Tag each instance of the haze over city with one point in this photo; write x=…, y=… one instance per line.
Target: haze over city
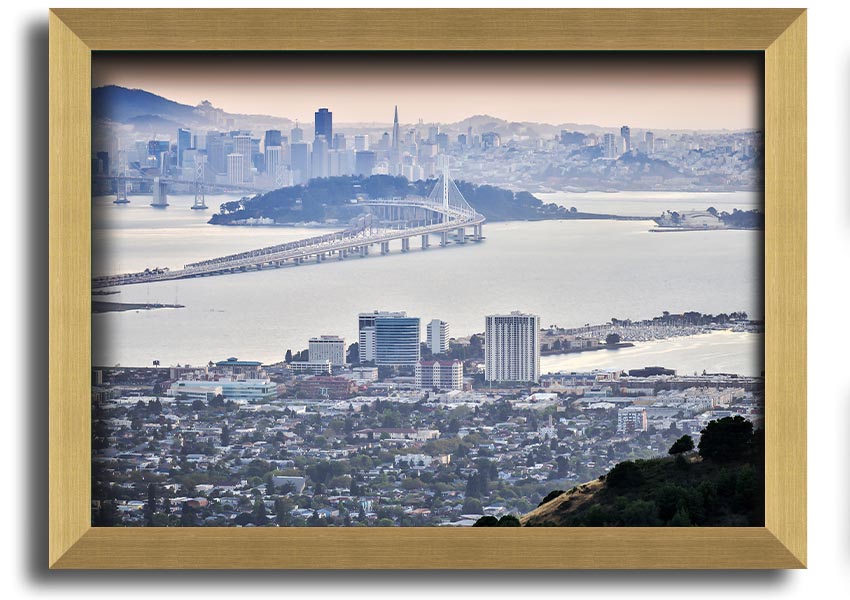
x=670, y=91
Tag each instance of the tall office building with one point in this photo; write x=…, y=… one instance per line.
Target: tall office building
x=388, y=338
x=217, y=151
x=397, y=340
x=327, y=347
x=272, y=138
x=236, y=168
x=512, y=347
x=300, y=153
x=296, y=134
x=650, y=142
x=184, y=142
x=609, y=145
x=319, y=158
x=396, y=139
x=395, y=147
x=437, y=336
x=626, y=134
x=361, y=142
x=339, y=142
x=364, y=162
x=324, y=124
x=242, y=144
x=273, y=162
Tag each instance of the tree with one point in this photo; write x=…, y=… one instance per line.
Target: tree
x=682, y=445
x=681, y=518
x=150, y=507
x=727, y=439
x=550, y=496
x=259, y=513
x=352, y=355
x=472, y=506
x=625, y=475
x=509, y=521
x=486, y=521
x=108, y=514
x=612, y=339
x=188, y=516
x=225, y=435
x=288, y=358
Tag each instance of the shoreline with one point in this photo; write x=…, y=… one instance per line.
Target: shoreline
x=99, y=306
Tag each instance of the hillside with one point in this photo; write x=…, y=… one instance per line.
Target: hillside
x=124, y=105
x=719, y=487
x=330, y=198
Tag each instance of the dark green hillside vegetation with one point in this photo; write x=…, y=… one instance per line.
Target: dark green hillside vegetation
x=331, y=198
x=721, y=485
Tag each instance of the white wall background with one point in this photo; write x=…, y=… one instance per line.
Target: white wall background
x=24, y=247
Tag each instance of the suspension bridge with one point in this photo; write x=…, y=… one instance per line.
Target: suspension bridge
x=444, y=215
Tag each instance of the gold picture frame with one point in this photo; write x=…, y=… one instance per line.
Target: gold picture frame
x=75, y=544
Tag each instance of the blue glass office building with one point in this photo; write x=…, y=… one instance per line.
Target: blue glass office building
x=396, y=340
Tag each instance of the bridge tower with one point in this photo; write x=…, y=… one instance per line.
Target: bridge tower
x=200, y=201
x=121, y=182
x=160, y=193
x=446, y=179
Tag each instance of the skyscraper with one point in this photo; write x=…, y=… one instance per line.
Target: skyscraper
x=650, y=142
x=388, y=338
x=395, y=147
x=609, y=145
x=339, y=142
x=272, y=138
x=512, y=347
x=626, y=134
x=300, y=153
x=396, y=139
x=437, y=336
x=217, y=151
x=319, y=158
x=324, y=124
x=397, y=340
x=297, y=134
x=361, y=142
x=364, y=162
x=273, y=162
x=235, y=168
x=184, y=142
x=244, y=146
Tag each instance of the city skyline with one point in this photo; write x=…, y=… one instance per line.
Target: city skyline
x=693, y=92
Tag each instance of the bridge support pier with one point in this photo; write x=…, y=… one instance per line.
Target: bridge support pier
x=425, y=242
x=385, y=247
x=444, y=238
x=461, y=235
x=479, y=233
x=405, y=244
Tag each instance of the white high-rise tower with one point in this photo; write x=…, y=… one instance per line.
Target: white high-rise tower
x=512, y=347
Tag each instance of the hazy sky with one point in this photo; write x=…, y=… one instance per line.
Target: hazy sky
x=643, y=90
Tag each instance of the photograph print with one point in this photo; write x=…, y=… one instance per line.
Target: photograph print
x=430, y=289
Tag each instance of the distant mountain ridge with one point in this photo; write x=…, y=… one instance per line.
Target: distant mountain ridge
x=150, y=112
x=124, y=105
x=146, y=110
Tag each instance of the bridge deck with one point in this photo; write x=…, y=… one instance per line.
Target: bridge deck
x=289, y=252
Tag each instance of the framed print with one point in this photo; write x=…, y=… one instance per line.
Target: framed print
x=330, y=293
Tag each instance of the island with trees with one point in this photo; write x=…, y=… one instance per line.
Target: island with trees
x=333, y=200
